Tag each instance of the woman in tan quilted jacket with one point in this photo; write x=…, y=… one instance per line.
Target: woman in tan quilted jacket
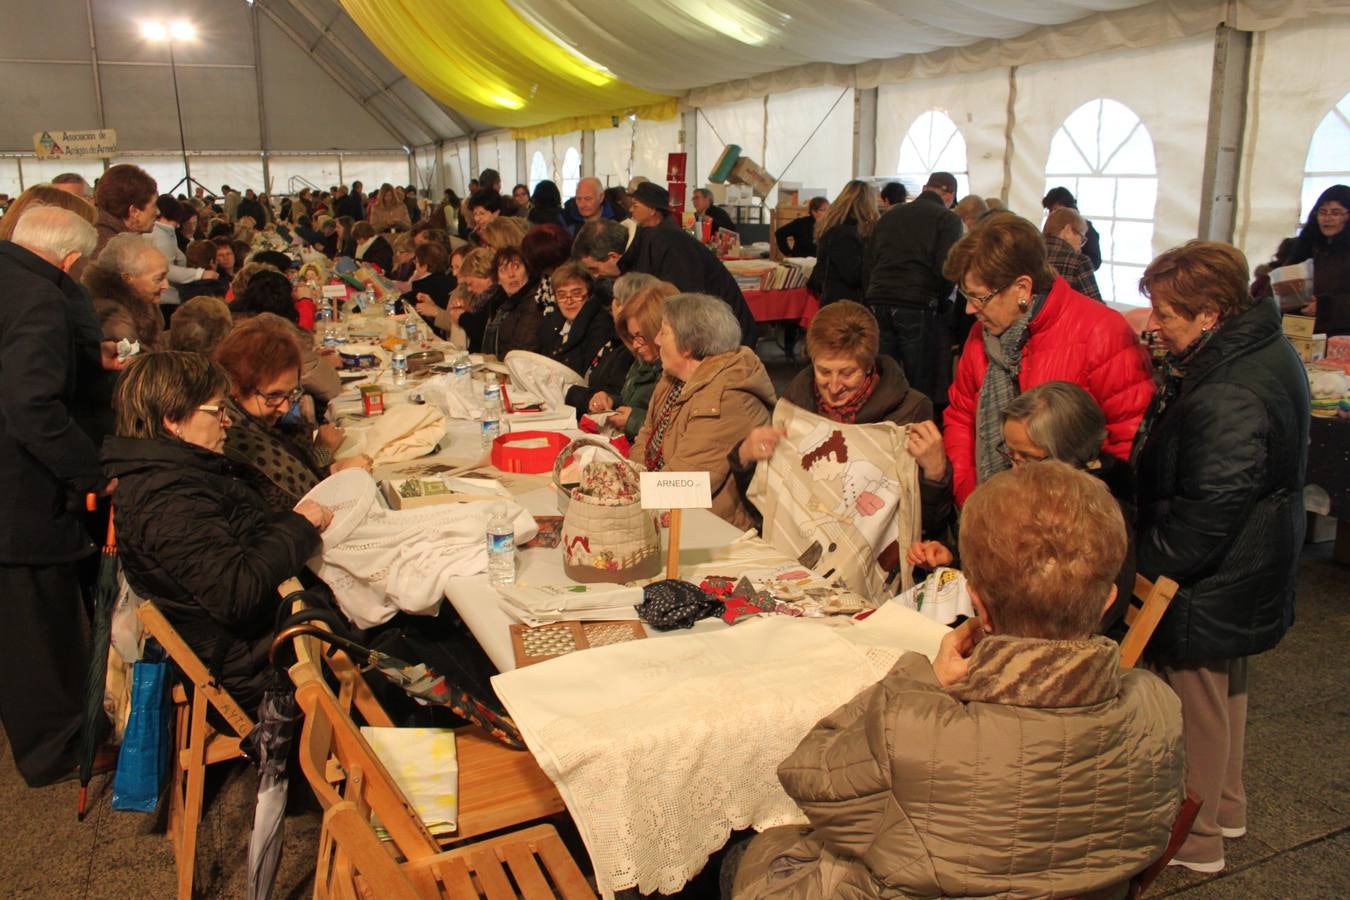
x=1023, y=761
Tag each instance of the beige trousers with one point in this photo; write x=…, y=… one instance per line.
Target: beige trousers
x=1214, y=725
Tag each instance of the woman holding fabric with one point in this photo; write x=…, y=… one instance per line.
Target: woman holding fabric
x=841, y=234
x=579, y=327
x=1220, y=457
x=465, y=313
x=1325, y=240
x=711, y=388
x=192, y=535
x=964, y=776
x=849, y=382
x=262, y=358
x=372, y=248
x=1031, y=328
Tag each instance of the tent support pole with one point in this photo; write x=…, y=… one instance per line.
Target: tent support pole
x=1223, y=138
x=264, y=143
x=1009, y=130
x=522, y=165
x=864, y=132
x=689, y=144
x=98, y=78
x=588, y=154
x=473, y=161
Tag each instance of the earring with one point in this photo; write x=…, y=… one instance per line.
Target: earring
x=1023, y=305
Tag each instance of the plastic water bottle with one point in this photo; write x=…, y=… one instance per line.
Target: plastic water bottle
x=324, y=326
x=410, y=329
x=492, y=414
x=501, y=547
x=390, y=305
x=398, y=367
x=461, y=369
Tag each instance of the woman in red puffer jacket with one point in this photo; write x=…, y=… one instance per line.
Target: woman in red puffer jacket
x=1032, y=328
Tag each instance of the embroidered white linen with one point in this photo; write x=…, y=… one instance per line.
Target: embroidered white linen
x=379, y=561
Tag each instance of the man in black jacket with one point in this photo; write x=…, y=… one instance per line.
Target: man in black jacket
x=47, y=465
x=904, y=286
x=704, y=206
x=353, y=204
x=665, y=251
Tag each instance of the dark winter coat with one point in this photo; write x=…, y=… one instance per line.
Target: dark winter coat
x=838, y=274
x=572, y=219
x=1331, y=280
x=591, y=330
x=672, y=255
x=802, y=232
x=607, y=371
x=1220, y=477
x=379, y=252
x=507, y=322
x=721, y=219
x=48, y=337
x=906, y=250
x=195, y=538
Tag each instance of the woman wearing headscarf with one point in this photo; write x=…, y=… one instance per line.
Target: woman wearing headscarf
x=1220, y=457
x=1031, y=328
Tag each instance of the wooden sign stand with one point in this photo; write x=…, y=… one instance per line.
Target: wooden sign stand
x=673, y=551
x=675, y=491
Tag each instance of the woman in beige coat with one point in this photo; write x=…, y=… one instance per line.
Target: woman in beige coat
x=711, y=393
x=1023, y=762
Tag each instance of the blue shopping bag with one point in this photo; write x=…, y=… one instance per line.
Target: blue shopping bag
x=143, y=762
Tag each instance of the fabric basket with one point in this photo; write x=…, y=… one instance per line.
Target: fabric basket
x=606, y=534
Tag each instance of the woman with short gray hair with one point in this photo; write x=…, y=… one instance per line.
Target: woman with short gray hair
x=712, y=390
x=1059, y=420
x=131, y=272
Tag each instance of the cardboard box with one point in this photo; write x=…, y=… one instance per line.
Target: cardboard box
x=1310, y=349
x=1299, y=326
x=411, y=493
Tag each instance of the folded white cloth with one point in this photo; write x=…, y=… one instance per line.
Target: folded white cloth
x=405, y=431
x=542, y=376
x=544, y=603
x=379, y=561
x=456, y=397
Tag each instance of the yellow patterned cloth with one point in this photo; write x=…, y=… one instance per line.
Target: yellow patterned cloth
x=423, y=764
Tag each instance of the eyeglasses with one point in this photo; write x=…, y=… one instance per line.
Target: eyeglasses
x=273, y=399
x=578, y=294
x=216, y=409
x=637, y=339
x=1327, y=212
x=982, y=302
x=1017, y=457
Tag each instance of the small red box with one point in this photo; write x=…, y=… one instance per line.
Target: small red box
x=527, y=460
x=676, y=189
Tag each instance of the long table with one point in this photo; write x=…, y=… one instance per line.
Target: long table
x=662, y=748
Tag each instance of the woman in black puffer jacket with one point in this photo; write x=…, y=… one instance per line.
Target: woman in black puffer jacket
x=1220, y=459
x=193, y=536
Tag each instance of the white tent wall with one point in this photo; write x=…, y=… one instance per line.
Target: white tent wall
x=811, y=139
x=977, y=104
x=740, y=123
x=652, y=142
x=375, y=169
x=1298, y=74
x=497, y=150
x=1166, y=86
x=291, y=174
x=614, y=153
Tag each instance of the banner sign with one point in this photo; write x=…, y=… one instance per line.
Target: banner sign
x=75, y=144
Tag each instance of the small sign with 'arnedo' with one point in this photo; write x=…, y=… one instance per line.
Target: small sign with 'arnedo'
x=676, y=490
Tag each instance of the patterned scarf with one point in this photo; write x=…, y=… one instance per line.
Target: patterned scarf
x=847, y=412
x=1171, y=372
x=1000, y=388
x=291, y=468
x=653, y=456
x=1041, y=674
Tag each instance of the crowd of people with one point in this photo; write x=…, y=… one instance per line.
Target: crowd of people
x=1056, y=458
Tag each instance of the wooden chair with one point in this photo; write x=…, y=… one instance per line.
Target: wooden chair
x=1145, y=611
x=353, y=863
x=498, y=787
x=197, y=743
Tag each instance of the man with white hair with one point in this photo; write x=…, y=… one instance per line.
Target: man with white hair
x=590, y=205
x=47, y=466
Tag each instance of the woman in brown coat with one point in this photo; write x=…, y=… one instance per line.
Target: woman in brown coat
x=711, y=391
x=1023, y=761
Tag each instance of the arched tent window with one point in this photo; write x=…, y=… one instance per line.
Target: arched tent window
x=571, y=171
x=538, y=170
x=1104, y=155
x=933, y=144
x=1328, y=160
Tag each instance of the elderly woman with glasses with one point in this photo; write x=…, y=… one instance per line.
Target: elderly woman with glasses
x=1057, y=420
x=1031, y=327
x=710, y=390
x=579, y=326
x=193, y=536
x=262, y=358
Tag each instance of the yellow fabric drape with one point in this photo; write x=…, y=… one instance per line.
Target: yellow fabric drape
x=483, y=59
